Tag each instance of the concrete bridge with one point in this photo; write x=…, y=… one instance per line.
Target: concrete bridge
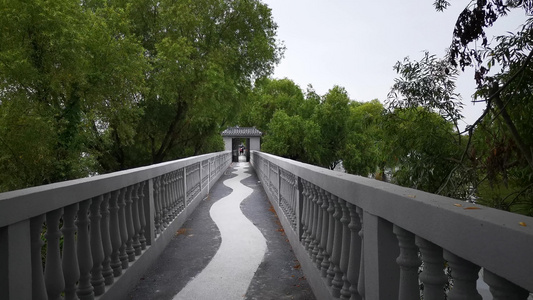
x=354, y=237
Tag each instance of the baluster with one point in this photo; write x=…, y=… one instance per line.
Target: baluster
x=345, y=250
x=354, y=261
x=164, y=201
x=305, y=202
x=142, y=237
x=361, y=282
x=107, y=271
x=177, y=193
x=114, y=229
x=37, y=274
x=122, y=222
x=409, y=262
x=129, y=224
x=136, y=244
x=157, y=205
x=53, y=272
x=85, y=259
x=175, y=203
x=331, y=238
x=319, y=202
x=97, y=250
x=337, y=281
x=294, y=192
x=432, y=275
x=464, y=274
x=312, y=222
x=71, y=269
x=324, y=265
x=170, y=197
x=502, y=289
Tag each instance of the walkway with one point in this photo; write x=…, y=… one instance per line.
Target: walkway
x=232, y=247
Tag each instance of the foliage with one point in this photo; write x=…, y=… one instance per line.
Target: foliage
x=292, y=137
x=363, y=151
x=331, y=116
x=497, y=157
x=97, y=86
x=421, y=150
x=428, y=83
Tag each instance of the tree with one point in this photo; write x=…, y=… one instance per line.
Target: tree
x=331, y=116
x=497, y=155
x=362, y=154
x=269, y=96
x=204, y=56
x=62, y=66
x=98, y=86
x=292, y=137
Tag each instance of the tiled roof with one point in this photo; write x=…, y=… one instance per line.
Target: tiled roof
x=242, y=131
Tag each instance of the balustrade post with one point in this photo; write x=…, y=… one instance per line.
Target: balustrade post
x=37, y=274
x=354, y=260
x=465, y=275
x=107, y=271
x=85, y=260
x=380, y=250
x=97, y=250
x=432, y=275
x=53, y=271
x=409, y=262
x=18, y=242
x=502, y=289
x=71, y=269
x=114, y=230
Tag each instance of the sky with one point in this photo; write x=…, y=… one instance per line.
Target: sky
x=355, y=44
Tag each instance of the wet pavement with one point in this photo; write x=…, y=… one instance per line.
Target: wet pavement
x=250, y=259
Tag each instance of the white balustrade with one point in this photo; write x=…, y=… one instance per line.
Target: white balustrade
x=86, y=235
x=405, y=231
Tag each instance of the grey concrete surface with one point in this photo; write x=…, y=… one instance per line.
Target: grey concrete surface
x=196, y=243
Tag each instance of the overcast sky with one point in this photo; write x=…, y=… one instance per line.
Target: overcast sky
x=355, y=44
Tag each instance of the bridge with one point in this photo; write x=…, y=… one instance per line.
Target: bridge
x=354, y=237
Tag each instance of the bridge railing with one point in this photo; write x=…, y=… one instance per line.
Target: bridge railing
x=94, y=237
x=359, y=238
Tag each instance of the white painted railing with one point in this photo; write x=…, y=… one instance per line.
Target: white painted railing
x=359, y=238
x=101, y=233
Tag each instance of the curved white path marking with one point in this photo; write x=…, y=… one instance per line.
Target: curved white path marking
x=243, y=246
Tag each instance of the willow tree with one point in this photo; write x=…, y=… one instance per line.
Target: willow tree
x=498, y=154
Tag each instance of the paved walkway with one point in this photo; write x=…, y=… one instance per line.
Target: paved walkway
x=232, y=247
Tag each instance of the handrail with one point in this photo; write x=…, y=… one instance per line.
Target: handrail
x=359, y=237
x=102, y=232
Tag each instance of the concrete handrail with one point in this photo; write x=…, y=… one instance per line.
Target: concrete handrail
x=323, y=210
x=102, y=232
